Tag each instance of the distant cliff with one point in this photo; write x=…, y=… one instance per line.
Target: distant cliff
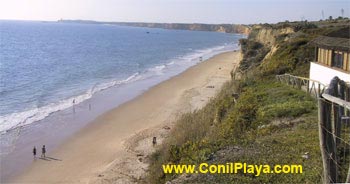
x=225, y=28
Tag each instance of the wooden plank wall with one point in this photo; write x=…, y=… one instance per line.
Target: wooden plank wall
x=324, y=56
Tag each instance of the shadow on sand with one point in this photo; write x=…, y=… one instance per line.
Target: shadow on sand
x=49, y=159
x=56, y=159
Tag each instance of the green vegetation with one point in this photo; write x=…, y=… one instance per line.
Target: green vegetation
x=292, y=56
x=222, y=124
x=267, y=123
x=253, y=53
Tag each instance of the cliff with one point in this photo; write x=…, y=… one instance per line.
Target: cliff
x=284, y=47
x=254, y=118
x=268, y=35
x=262, y=42
x=225, y=28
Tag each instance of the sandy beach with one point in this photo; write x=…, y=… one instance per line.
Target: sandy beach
x=114, y=148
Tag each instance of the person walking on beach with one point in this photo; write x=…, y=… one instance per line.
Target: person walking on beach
x=73, y=105
x=34, y=152
x=43, y=151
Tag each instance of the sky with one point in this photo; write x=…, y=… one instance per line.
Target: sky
x=174, y=11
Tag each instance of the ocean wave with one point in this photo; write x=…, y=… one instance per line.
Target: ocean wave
x=18, y=119
x=170, y=63
x=206, y=53
x=156, y=70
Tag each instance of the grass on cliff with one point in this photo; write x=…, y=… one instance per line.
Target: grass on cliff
x=269, y=123
x=259, y=124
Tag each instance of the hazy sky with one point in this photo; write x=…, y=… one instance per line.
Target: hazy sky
x=186, y=11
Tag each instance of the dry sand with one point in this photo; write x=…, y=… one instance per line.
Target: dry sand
x=114, y=148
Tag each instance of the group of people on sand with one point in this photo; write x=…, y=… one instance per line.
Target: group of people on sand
x=43, y=152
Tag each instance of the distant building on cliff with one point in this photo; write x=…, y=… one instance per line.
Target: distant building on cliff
x=332, y=58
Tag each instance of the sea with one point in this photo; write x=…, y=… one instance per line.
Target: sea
x=55, y=73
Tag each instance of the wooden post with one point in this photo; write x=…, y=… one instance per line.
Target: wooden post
x=322, y=137
x=346, y=97
x=347, y=113
x=326, y=143
x=314, y=87
x=333, y=121
x=336, y=134
x=299, y=83
x=294, y=82
x=340, y=110
x=319, y=89
x=348, y=177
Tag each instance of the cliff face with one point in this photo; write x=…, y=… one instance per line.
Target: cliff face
x=225, y=28
x=261, y=44
x=268, y=36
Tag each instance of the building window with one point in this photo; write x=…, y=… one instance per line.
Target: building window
x=337, y=60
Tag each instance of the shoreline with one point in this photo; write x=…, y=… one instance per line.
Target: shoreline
x=121, y=137
x=59, y=126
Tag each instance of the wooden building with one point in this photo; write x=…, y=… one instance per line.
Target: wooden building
x=332, y=59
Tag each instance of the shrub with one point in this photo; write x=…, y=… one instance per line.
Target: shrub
x=290, y=109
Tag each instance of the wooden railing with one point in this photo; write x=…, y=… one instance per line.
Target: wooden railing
x=333, y=121
x=312, y=87
x=334, y=131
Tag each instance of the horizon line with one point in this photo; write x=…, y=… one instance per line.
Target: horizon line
x=101, y=21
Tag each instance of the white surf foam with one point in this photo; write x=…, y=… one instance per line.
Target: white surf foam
x=18, y=119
